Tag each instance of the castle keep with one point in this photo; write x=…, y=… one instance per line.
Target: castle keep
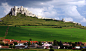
x=21, y=10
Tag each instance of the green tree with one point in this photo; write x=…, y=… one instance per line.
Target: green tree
x=51, y=49
x=15, y=43
x=30, y=39
x=55, y=43
x=40, y=43
x=6, y=44
x=29, y=43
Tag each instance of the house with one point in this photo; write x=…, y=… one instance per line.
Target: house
x=46, y=45
x=40, y=47
x=4, y=47
x=66, y=44
x=19, y=46
x=21, y=42
x=56, y=47
x=32, y=46
x=32, y=42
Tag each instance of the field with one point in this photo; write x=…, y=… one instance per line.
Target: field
x=41, y=33
x=3, y=30
x=36, y=50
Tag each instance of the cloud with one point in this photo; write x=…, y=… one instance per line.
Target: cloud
x=6, y=7
x=68, y=19
x=84, y=20
x=57, y=9
x=71, y=11
x=80, y=3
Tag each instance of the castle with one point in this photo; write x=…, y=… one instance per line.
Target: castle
x=22, y=10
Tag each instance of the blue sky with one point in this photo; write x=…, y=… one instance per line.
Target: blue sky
x=70, y=10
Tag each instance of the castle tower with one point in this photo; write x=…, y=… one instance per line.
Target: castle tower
x=15, y=10
x=63, y=20
x=21, y=8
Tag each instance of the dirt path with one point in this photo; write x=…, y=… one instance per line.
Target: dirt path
x=6, y=32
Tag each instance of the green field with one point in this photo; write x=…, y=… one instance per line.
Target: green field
x=44, y=34
x=3, y=30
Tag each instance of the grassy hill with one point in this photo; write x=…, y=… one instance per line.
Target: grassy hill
x=25, y=27
x=21, y=19
x=37, y=33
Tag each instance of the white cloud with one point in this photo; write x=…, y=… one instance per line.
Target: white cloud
x=84, y=20
x=37, y=11
x=6, y=7
x=71, y=11
x=79, y=3
x=68, y=19
x=48, y=12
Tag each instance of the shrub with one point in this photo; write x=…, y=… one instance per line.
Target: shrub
x=10, y=46
x=2, y=44
x=83, y=50
x=6, y=44
x=51, y=49
x=15, y=43
x=40, y=43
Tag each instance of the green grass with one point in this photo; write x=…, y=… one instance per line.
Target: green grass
x=2, y=30
x=46, y=34
x=36, y=50
x=21, y=19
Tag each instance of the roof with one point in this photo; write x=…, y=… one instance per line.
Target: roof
x=4, y=47
x=22, y=41
x=10, y=43
x=33, y=42
x=6, y=40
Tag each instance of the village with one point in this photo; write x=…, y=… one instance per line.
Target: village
x=24, y=44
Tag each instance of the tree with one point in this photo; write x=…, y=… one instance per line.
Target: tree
x=51, y=49
x=29, y=43
x=15, y=25
x=30, y=39
x=2, y=44
x=10, y=46
x=15, y=43
x=6, y=44
x=55, y=43
x=40, y=43
x=25, y=43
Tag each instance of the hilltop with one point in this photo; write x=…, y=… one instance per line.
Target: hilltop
x=22, y=20
x=23, y=17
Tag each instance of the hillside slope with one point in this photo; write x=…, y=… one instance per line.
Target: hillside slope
x=46, y=34
x=21, y=19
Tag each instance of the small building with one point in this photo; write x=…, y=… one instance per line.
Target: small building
x=4, y=47
x=46, y=45
x=19, y=46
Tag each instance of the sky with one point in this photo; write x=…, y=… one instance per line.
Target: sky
x=70, y=10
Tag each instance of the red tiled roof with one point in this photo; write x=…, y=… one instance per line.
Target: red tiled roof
x=4, y=46
x=10, y=43
x=6, y=40
x=33, y=42
x=22, y=41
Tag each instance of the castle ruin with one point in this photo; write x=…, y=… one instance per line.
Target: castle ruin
x=21, y=10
